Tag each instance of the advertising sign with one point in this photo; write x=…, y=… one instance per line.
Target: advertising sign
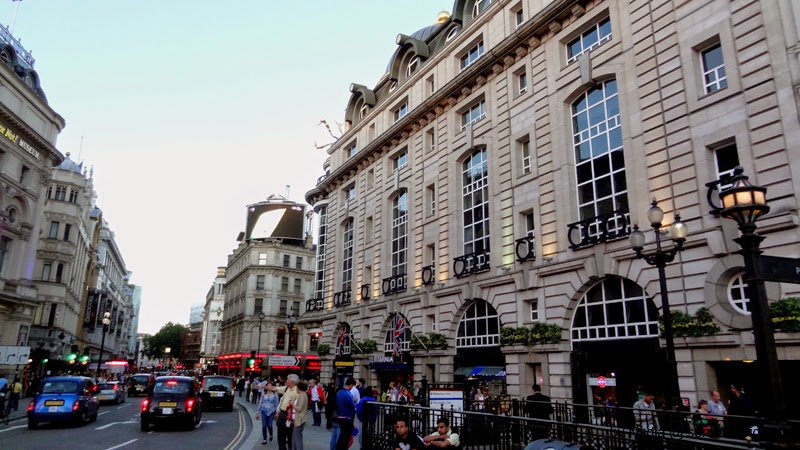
x=92, y=302
x=275, y=219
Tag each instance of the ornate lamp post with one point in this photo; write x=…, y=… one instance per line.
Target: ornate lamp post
x=745, y=203
x=106, y=323
x=290, y=320
x=660, y=258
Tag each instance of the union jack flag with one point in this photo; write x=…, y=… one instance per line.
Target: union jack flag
x=400, y=328
x=340, y=341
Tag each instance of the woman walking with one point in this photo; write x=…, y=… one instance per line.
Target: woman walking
x=266, y=411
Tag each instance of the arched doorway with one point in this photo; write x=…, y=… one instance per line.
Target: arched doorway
x=614, y=335
x=479, y=359
x=343, y=364
x=396, y=365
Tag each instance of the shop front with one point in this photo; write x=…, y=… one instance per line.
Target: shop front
x=343, y=368
x=397, y=369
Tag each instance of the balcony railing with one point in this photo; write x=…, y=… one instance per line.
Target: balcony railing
x=428, y=275
x=5, y=34
x=315, y=304
x=342, y=299
x=470, y=263
x=602, y=228
x=394, y=284
x=321, y=179
x=366, y=290
x=525, y=249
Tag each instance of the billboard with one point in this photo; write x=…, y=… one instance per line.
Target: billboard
x=275, y=219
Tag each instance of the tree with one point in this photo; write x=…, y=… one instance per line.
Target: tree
x=168, y=336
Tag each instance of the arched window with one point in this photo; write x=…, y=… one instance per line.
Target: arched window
x=280, y=342
x=343, y=339
x=398, y=336
x=476, y=202
x=400, y=234
x=322, y=242
x=737, y=295
x=480, y=326
x=479, y=7
x=599, y=162
x=615, y=308
x=451, y=34
x=347, y=256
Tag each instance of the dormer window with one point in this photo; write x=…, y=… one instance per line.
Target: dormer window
x=480, y=6
x=363, y=111
x=412, y=67
x=472, y=55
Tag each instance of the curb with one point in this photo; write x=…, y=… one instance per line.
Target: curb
x=255, y=433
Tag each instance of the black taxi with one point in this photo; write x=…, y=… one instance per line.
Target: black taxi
x=173, y=400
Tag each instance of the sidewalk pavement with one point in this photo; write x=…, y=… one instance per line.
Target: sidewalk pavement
x=314, y=438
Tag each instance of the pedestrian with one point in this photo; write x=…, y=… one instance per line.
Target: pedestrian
x=288, y=396
x=741, y=412
x=299, y=415
x=247, y=388
x=360, y=387
x=346, y=412
x=317, y=402
x=405, y=439
x=539, y=406
x=330, y=403
x=443, y=437
x=356, y=394
x=267, y=406
x=717, y=409
x=704, y=423
x=644, y=412
x=360, y=412
x=3, y=383
x=14, y=392
x=240, y=386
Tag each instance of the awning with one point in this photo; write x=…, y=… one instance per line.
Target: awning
x=489, y=371
x=463, y=371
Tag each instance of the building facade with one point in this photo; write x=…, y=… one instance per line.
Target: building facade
x=212, y=320
x=267, y=280
x=491, y=178
x=133, y=327
x=29, y=128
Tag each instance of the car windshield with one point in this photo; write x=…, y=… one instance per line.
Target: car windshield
x=60, y=387
x=171, y=387
x=217, y=384
x=106, y=386
x=140, y=379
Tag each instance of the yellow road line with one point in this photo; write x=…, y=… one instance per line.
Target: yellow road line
x=239, y=434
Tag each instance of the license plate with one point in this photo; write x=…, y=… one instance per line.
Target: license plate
x=53, y=402
x=52, y=409
x=138, y=389
x=168, y=404
x=217, y=394
x=166, y=410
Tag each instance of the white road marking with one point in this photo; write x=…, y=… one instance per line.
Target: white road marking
x=150, y=432
x=123, y=406
x=12, y=428
x=208, y=421
x=123, y=444
x=104, y=412
x=114, y=423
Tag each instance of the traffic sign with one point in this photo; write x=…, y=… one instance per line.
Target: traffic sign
x=275, y=360
x=775, y=268
x=601, y=381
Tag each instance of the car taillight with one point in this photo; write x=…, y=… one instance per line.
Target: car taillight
x=189, y=405
x=76, y=405
x=116, y=387
x=145, y=404
x=30, y=406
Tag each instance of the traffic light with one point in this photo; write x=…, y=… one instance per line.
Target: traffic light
x=252, y=361
x=85, y=359
x=71, y=358
x=44, y=361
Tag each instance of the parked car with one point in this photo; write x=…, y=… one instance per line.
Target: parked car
x=173, y=400
x=140, y=383
x=111, y=391
x=63, y=399
x=217, y=392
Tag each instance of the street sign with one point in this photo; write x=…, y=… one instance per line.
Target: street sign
x=275, y=360
x=601, y=382
x=775, y=268
x=11, y=354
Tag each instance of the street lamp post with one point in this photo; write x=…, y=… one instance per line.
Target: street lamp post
x=290, y=320
x=258, y=348
x=106, y=323
x=745, y=203
x=660, y=258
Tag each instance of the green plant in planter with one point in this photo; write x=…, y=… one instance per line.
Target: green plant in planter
x=419, y=342
x=683, y=324
x=364, y=347
x=544, y=333
x=704, y=323
x=437, y=340
x=785, y=314
x=507, y=335
x=323, y=349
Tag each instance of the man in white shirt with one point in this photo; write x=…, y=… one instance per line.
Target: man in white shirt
x=356, y=395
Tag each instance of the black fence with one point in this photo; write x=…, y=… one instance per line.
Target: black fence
x=507, y=425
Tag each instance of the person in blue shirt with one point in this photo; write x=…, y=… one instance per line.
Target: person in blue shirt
x=346, y=412
x=367, y=397
x=267, y=406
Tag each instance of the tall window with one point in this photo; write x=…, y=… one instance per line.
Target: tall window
x=286, y=260
x=61, y=192
x=522, y=82
x=430, y=200
x=280, y=342
x=599, y=163
x=476, y=202
x=530, y=227
x=402, y=337
x=472, y=55
x=322, y=241
x=519, y=17
x=73, y=195
x=298, y=263
x=347, y=256
x=282, y=308
x=401, y=111
x=475, y=113
x=591, y=38
x=400, y=161
x=430, y=140
x=67, y=230
x=615, y=308
x=258, y=306
x=4, y=244
x=59, y=272
x=262, y=259
x=714, y=77
x=350, y=193
x=400, y=234
x=480, y=6
x=284, y=284
x=23, y=175
x=480, y=326
x=54, y=230
x=726, y=158
x=351, y=151
x=737, y=295
x=298, y=285
x=260, y=282
x=412, y=66
x=46, y=269
x=525, y=151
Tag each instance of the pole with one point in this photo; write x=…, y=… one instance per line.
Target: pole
x=258, y=347
x=673, y=388
x=102, y=343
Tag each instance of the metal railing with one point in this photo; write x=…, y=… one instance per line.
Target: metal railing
x=603, y=228
x=315, y=304
x=394, y=284
x=342, y=298
x=470, y=263
x=23, y=54
x=488, y=431
x=525, y=249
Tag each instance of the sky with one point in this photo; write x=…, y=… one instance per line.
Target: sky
x=191, y=109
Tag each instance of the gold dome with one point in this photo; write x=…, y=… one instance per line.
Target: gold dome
x=442, y=17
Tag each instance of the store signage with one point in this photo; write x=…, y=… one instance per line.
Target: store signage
x=275, y=360
x=10, y=354
x=14, y=137
x=381, y=359
x=344, y=363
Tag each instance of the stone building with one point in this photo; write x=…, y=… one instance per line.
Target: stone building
x=212, y=320
x=267, y=279
x=29, y=128
x=492, y=176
